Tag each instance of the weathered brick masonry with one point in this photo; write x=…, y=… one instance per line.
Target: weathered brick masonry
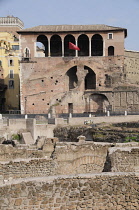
x=95, y=79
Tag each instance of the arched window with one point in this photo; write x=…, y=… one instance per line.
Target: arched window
x=97, y=45
x=73, y=80
x=110, y=51
x=11, y=62
x=0, y=63
x=83, y=44
x=56, y=45
x=42, y=46
x=67, y=51
x=90, y=79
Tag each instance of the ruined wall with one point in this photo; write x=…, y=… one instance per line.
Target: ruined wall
x=124, y=159
x=74, y=158
x=27, y=168
x=8, y=152
x=94, y=192
x=132, y=67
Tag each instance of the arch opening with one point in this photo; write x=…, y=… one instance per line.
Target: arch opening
x=73, y=79
x=90, y=79
x=67, y=51
x=97, y=45
x=56, y=46
x=83, y=44
x=98, y=103
x=42, y=46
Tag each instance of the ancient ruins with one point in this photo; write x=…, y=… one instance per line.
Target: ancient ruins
x=79, y=173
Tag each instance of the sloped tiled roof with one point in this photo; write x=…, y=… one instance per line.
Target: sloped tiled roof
x=71, y=28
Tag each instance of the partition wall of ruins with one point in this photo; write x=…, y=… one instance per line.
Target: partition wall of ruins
x=101, y=76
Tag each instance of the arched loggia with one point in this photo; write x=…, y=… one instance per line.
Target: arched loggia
x=56, y=46
x=67, y=51
x=42, y=45
x=83, y=44
x=97, y=45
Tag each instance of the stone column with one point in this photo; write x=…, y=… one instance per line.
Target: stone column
x=49, y=48
x=62, y=47
x=90, y=47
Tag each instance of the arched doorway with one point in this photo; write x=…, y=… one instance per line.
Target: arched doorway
x=83, y=44
x=110, y=51
x=97, y=45
x=42, y=46
x=67, y=51
x=73, y=80
x=56, y=46
x=90, y=79
x=98, y=103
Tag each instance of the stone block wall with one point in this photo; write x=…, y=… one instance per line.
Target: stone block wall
x=124, y=159
x=26, y=168
x=94, y=192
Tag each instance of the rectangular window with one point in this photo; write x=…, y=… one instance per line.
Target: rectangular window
x=15, y=47
x=11, y=84
x=11, y=74
x=110, y=36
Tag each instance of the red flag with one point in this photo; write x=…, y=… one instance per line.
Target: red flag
x=73, y=46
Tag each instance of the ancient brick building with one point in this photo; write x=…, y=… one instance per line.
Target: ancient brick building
x=56, y=79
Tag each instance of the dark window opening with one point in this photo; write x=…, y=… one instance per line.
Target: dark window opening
x=56, y=46
x=110, y=51
x=70, y=107
x=110, y=36
x=11, y=62
x=42, y=80
x=42, y=46
x=0, y=63
x=11, y=75
x=67, y=51
x=83, y=44
x=11, y=84
x=97, y=45
x=73, y=80
x=90, y=79
x=26, y=54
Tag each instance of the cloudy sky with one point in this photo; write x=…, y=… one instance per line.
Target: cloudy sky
x=120, y=13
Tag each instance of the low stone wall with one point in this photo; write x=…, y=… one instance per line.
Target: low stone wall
x=8, y=152
x=110, y=119
x=94, y=192
x=27, y=168
x=124, y=159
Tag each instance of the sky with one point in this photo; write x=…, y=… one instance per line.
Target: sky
x=118, y=13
